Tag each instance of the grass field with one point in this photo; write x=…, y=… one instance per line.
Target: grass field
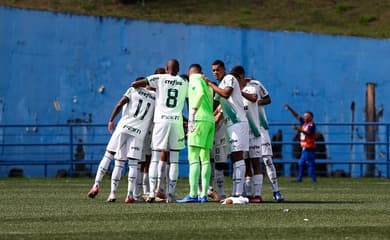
x=334, y=208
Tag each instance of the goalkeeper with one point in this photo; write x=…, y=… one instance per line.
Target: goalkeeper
x=200, y=134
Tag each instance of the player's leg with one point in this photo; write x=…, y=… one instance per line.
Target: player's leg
x=206, y=173
x=122, y=149
x=176, y=143
x=115, y=178
x=239, y=142
x=161, y=175
x=159, y=143
x=194, y=173
x=266, y=150
x=105, y=163
x=132, y=180
x=248, y=177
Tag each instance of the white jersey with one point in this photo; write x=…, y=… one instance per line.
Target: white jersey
x=171, y=92
x=232, y=107
x=262, y=94
x=252, y=109
x=139, y=111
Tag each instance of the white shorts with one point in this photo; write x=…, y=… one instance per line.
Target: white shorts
x=254, y=147
x=238, y=137
x=266, y=147
x=147, y=147
x=219, y=151
x=168, y=136
x=114, y=141
x=129, y=147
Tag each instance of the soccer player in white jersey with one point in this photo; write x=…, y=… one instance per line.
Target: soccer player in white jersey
x=168, y=132
x=266, y=147
x=112, y=145
x=132, y=130
x=252, y=160
x=228, y=94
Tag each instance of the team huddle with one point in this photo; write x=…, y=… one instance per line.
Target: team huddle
x=224, y=121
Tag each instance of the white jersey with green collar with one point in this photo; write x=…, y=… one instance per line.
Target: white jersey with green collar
x=138, y=112
x=171, y=92
x=232, y=107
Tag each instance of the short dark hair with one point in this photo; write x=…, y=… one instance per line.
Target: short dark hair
x=139, y=78
x=197, y=66
x=312, y=115
x=238, y=69
x=159, y=70
x=219, y=63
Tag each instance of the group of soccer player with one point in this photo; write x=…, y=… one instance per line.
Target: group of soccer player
x=225, y=120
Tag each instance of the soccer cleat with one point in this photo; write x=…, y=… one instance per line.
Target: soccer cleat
x=161, y=194
x=203, y=199
x=111, y=198
x=214, y=195
x=129, y=200
x=93, y=192
x=188, y=199
x=256, y=199
x=278, y=196
x=150, y=200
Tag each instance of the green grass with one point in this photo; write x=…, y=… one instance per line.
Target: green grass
x=335, y=208
x=346, y=17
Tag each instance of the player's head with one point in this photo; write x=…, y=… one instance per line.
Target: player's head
x=159, y=70
x=194, y=68
x=172, y=67
x=218, y=69
x=238, y=71
x=308, y=116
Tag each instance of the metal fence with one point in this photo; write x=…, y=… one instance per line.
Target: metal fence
x=343, y=149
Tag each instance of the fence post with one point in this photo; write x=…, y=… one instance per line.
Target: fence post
x=388, y=149
x=71, y=148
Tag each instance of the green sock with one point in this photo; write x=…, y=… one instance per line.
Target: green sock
x=193, y=158
x=206, y=170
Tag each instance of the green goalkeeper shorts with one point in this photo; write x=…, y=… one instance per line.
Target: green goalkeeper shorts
x=202, y=136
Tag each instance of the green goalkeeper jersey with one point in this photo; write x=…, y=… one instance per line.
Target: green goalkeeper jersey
x=200, y=96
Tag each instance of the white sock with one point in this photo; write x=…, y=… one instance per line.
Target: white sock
x=220, y=180
x=132, y=178
x=248, y=186
x=145, y=183
x=173, y=171
x=258, y=184
x=138, y=188
x=116, y=175
x=153, y=172
x=271, y=172
x=161, y=175
x=239, y=170
x=103, y=167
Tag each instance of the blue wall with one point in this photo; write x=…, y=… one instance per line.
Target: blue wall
x=48, y=57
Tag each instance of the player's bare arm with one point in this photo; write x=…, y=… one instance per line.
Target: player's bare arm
x=115, y=111
x=264, y=101
x=140, y=83
x=252, y=97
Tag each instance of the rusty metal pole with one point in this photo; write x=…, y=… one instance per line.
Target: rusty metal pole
x=370, y=129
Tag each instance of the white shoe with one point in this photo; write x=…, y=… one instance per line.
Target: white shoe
x=111, y=197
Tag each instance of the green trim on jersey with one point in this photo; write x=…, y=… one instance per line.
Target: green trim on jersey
x=228, y=110
x=263, y=120
x=252, y=125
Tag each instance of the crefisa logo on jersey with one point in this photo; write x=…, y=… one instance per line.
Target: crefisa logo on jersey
x=173, y=82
